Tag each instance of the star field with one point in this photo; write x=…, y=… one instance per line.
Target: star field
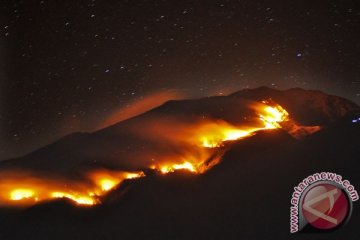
x=66, y=66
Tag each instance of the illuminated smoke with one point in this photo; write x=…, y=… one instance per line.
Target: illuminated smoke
x=195, y=146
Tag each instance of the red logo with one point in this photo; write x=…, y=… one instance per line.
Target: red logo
x=325, y=206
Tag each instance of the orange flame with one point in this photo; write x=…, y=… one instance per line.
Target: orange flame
x=204, y=145
x=20, y=194
x=27, y=189
x=215, y=134
x=273, y=116
x=183, y=166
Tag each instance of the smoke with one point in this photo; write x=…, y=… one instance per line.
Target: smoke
x=142, y=105
x=164, y=141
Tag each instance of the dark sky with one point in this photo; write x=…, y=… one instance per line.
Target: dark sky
x=68, y=65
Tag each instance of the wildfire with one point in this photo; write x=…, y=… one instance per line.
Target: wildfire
x=183, y=166
x=19, y=194
x=107, y=180
x=81, y=200
x=27, y=189
x=273, y=116
x=206, y=138
x=215, y=135
x=205, y=145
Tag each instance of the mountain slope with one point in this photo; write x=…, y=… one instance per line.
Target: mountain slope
x=120, y=144
x=246, y=195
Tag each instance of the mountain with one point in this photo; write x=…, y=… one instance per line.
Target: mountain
x=246, y=195
x=123, y=139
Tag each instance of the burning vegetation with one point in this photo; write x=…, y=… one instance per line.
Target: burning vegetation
x=203, y=145
x=27, y=188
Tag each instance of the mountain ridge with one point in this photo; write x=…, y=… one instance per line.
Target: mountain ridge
x=307, y=107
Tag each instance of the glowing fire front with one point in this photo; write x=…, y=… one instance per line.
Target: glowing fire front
x=25, y=189
x=215, y=135
x=273, y=116
x=206, y=140
x=184, y=166
x=19, y=194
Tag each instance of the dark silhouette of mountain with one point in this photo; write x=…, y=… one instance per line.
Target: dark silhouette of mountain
x=309, y=107
x=246, y=196
x=120, y=144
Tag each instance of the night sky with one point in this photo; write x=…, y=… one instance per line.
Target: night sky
x=67, y=66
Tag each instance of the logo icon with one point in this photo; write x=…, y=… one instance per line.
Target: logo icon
x=325, y=206
x=321, y=202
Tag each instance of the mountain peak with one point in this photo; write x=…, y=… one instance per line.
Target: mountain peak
x=309, y=107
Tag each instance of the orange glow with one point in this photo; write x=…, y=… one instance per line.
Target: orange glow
x=27, y=189
x=215, y=134
x=107, y=180
x=19, y=194
x=134, y=175
x=198, y=146
x=184, y=166
x=81, y=200
x=272, y=116
x=207, y=138
x=107, y=184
